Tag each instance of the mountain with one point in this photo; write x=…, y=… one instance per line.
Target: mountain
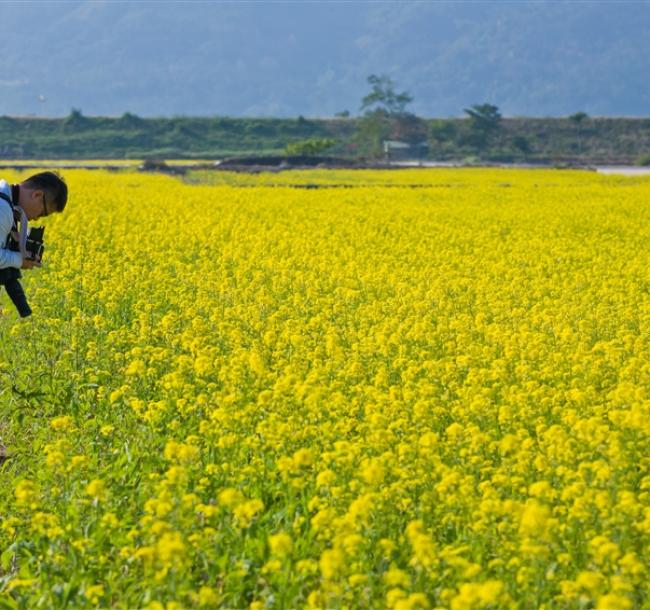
x=545, y=58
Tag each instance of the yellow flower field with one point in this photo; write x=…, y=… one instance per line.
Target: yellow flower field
x=417, y=389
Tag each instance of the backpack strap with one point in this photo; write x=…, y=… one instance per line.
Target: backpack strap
x=23, y=225
x=11, y=205
x=6, y=198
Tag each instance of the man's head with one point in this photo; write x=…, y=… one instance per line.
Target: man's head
x=43, y=194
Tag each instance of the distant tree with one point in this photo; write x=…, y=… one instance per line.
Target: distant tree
x=521, y=143
x=443, y=134
x=578, y=117
x=383, y=97
x=75, y=120
x=343, y=114
x=372, y=130
x=129, y=119
x=484, y=117
x=312, y=147
x=441, y=130
x=484, y=124
x=409, y=128
x=385, y=117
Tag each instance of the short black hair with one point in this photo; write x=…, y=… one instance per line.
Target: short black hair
x=53, y=184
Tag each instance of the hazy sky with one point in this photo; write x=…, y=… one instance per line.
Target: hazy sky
x=313, y=58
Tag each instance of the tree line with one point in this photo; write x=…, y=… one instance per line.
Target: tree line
x=385, y=117
x=482, y=134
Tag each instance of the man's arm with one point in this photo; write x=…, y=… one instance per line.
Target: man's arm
x=8, y=258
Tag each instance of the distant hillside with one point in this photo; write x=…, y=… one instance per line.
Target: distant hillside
x=553, y=141
x=282, y=59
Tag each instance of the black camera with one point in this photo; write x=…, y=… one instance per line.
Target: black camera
x=10, y=276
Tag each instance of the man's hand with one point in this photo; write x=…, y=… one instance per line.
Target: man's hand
x=30, y=263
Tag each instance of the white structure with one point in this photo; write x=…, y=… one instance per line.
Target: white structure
x=397, y=150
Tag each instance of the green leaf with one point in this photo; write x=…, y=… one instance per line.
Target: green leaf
x=7, y=602
x=7, y=557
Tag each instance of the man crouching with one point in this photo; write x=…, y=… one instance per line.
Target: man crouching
x=40, y=195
